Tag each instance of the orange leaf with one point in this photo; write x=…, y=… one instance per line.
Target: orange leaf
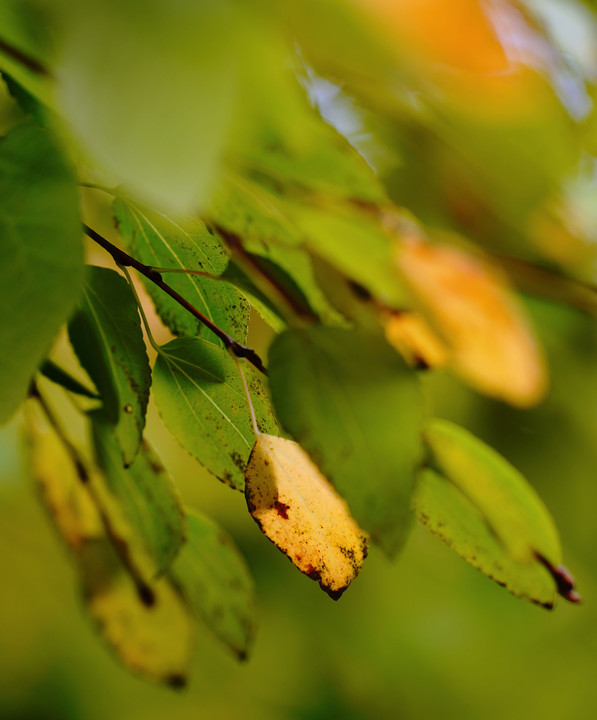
x=471, y=305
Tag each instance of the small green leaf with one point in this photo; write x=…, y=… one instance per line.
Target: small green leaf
x=200, y=396
x=253, y=214
x=106, y=335
x=159, y=241
x=450, y=515
x=215, y=580
x=355, y=407
x=146, y=496
x=151, y=634
x=63, y=378
x=41, y=255
x=511, y=507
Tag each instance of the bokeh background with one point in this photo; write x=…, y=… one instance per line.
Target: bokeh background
x=424, y=637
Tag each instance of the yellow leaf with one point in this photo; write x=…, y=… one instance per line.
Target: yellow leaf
x=469, y=302
x=151, y=634
x=301, y=513
x=411, y=335
x=154, y=640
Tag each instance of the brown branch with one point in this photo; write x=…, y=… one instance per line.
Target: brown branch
x=122, y=258
x=23, y=59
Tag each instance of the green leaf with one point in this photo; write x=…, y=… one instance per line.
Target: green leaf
x=157, y=109
x=25, y=34
x=355, y=407
x=146, y=495
x=61, y=377
x=449, y=514
x=200, y=396
x=252, y=214
x=159, y=241
x=106, y=335
x=215, y=580
x=28, y=103
x=152, y=634
x=262, y=304
x=41, y=255
x=279, y=223
x=511, y=507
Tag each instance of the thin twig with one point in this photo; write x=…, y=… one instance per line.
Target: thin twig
x=23, y=59
x=549, y=283
x=291, y=307
x=124, y=259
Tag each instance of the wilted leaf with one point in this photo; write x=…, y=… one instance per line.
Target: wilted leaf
x=155, y=640
x=152, y=635
x=106, y=335
x=355, y=407
x=301, y=513
x=509, y=505
x=471, y=305
x=41, y=255
x=215, y=581
x=160, y=241
x=448, y=513
x=200, y=396
x=145, y=495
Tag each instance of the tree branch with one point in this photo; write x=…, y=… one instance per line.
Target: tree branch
x=23, y=59
x=122, y=258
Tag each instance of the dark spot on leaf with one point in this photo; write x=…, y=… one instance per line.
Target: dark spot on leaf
x=177, y=681
x=312, y=572
x=282, y=509
x=238, y=460
x=128, y=408
x=146, y=594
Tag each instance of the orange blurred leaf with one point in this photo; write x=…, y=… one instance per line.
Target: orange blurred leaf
x=469, y=302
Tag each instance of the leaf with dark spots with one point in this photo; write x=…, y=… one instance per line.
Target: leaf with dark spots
x=300, y=512
x=151, y=634
x=200, y=395
x=356, y=408
x=146, y=497
x=451, y=515
x=214, y=579
x=187, y=244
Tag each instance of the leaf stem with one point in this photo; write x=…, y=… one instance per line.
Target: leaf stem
x=248, y=396
x=124, y=260
x=150, y=337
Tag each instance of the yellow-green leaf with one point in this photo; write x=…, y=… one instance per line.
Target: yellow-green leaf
x=300, y=512
x=450, y=515
x=511, y=507
x=151, y=634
